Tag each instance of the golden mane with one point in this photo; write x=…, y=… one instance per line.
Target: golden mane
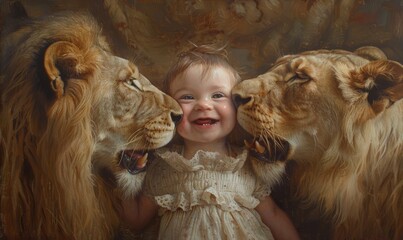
x=339, y=116
x=51, y=127
x=48, y=146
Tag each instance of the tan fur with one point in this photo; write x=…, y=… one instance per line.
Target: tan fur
x=270, y=173
x=342, y=116
x=66, y=112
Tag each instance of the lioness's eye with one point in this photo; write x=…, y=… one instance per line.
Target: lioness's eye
x=299, y=77
x=134, y=83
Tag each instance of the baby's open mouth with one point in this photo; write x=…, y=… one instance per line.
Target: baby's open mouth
x=205, y=121
x=133, y=161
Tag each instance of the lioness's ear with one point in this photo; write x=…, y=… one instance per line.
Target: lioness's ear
x=59, y=62
x=371, y=53
x=383, y=81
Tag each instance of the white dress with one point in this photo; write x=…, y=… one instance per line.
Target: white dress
x=210, y=196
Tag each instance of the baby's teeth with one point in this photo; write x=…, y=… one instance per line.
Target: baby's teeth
x=259, y=147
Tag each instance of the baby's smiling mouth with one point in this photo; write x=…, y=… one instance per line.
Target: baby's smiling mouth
x=205, y=121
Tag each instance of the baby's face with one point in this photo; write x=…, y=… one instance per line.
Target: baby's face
x=209, y=114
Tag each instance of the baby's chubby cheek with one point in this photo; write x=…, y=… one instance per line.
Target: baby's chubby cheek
x=228, y=110
x=183, y=125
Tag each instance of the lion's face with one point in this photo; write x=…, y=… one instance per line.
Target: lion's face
x=129, y=110
x=131, y=117
x=63, y=83
x=76, y=124
x=130, y=114
x=303, y=100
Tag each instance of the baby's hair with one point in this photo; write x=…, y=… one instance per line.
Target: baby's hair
x=207, y=56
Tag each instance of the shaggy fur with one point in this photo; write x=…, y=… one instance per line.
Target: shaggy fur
x=68, y=108
x=339, y=115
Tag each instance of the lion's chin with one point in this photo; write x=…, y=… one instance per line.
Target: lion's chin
x=129, y=184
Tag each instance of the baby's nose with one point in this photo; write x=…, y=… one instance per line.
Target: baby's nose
x=203, y=104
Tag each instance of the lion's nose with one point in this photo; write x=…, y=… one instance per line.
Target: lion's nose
x=239, y=100
x=176, y=118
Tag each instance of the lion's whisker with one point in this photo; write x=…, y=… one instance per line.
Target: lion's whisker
x=135, y=133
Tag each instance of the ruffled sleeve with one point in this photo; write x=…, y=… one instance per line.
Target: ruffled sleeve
x=262, y=190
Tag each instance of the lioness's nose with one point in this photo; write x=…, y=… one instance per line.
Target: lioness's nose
x=239, y=100
x=176, y=118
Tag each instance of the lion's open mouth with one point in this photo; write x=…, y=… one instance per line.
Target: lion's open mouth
x=268, y=150
x=133, y=161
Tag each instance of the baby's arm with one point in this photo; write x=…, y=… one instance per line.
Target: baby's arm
x=139, y=211
x=276, y=219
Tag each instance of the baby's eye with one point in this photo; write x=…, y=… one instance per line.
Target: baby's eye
x=186, y=97
x=218, y=95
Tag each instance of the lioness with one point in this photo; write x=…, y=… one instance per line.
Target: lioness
x=339, y=116
x=74, y=117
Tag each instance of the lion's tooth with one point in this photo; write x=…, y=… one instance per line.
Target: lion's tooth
x=141, y=162
x=259, y=147
x=247, y=144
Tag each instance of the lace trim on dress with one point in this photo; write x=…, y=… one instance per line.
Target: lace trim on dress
x=225, y=200
x=202, y=160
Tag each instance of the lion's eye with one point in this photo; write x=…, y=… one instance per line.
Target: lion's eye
x=134, y=83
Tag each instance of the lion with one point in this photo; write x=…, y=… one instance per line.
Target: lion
x=76, y=125
x=339, y=116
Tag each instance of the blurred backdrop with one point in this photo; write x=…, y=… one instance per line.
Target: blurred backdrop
x=152, y=32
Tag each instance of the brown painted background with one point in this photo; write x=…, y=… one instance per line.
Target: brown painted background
x=256, y=32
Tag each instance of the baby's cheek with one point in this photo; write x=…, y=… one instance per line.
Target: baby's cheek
x=183, y=124
x=228, y=109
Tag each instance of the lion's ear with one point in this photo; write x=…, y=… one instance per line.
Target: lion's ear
x=383, y=81
x=60, y=61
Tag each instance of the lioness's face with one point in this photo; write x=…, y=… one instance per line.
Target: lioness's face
x=296, y=105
